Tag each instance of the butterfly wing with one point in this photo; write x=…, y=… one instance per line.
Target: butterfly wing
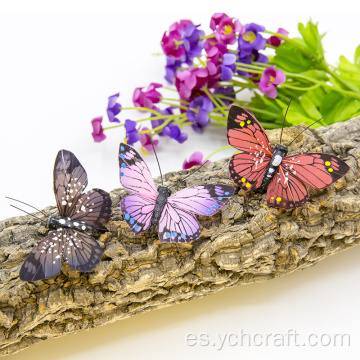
x=246, y=134
x=178, y=223
x=134, y=173
x=45, y=259
x=93, y=208
x=177, y=226
x=247, y=171
x=137, y=211
x=286, y=191
x=70, y=179
x=202, y=199
x=81, y=251
x=318, y=170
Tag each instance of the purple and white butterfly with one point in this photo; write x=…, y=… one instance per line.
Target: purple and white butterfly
x=78, y=213
x=174, y=215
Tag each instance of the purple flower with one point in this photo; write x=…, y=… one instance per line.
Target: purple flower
x=251, y=39
x=159, y=122
x=188, y=80
x=98, y=132
x=216, y=19
x=174, y=132
x=270, y=78
x=225, y=32
x=198, y=112
x=228, y=91
x=147, y=98
x=228, y=66
x=171, y=66
x=192, y=43
x=131, y=132
x=171, y=130
x=194, y=160
x=248, y=59
x=146, y=142
x=113, y=108
x=275, y=40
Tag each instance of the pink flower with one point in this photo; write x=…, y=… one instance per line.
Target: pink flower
x=147, y=98
x=214, y=74
x=181, y=25
x=188, y=80
x=226, y=30
x=146, y=143
x=194, y=160
x=270, y=78
x=216, y=19
x=170, y=46
x=275, y=40
x=98, y=132
x=215, y=49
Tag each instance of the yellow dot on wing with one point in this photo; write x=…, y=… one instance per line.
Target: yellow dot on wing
x=248, y=185
x=249, y=121
x=327, y=163
x=278, y=199
x=242, y=123
x=243, y=179
x=272, y=198
x=330, y=170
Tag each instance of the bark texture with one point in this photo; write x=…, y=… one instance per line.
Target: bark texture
x=246, y=242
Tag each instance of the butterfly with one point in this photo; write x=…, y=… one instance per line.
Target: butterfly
x=148, y=207
x=285, y=178
x=79, y=214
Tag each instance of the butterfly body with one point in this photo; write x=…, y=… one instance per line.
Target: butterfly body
x=161, y=200
x=54, y=222
x=173, y=214
x=279, y=153
x=284, y=178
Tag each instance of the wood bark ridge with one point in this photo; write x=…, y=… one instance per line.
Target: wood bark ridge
x=244, y=243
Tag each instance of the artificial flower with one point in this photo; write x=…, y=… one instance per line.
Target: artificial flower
x=251, y=39
x=147, y=98
x=194, y=160
x=270, y=78
x=132, y=134
x=275, y=40
x=198, y=112
x=113, y=108
x=98, y=132
x=146, y=141
x=227, y=29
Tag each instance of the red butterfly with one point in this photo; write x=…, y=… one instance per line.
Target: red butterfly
x=259, y=167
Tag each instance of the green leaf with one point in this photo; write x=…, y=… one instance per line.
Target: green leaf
x=309, y=107
x=296, y=114
x=329, y=101
x=317, y=95
x=289, y=58
x=357, y=56
x=343, y=110
x=316, y=74
x=312, y=39
x=349, y=72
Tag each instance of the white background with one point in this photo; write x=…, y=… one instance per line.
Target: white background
x=58, y=65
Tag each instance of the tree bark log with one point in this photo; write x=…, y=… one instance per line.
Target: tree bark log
x=246, y=242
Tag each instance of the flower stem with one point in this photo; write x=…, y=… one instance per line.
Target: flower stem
x=211, y=97
x=218, y=150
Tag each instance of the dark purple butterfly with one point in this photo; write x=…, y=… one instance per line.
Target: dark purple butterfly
x=78, y=213
x=174, y=215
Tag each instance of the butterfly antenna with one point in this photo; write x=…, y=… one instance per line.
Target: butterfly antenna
x=6, y=197
x=189, y=174
x=162, y=182
x=303, y=131
x=282, y=128
x=28, y=213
